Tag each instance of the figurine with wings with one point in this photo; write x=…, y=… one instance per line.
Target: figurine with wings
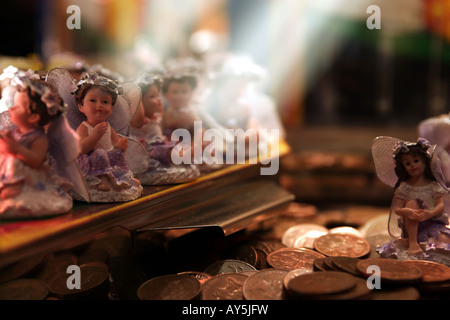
x=99, y=110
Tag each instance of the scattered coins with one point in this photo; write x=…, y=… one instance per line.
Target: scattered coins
x=23, y=289
x=318, y=284
x=93, y=283
x=228, y=266
x=342, y=245
x=391, y=271
x=170, y=287
x=226, y=286
x=293, y=258
x=265, y=285
x=303, y=235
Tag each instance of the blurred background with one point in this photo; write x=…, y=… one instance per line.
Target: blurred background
x=336, y=82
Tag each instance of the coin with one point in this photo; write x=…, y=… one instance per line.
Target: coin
x=396, y=293
x=391, y=271
x=302, y=235
x=245, y=253
x=293, y=258
x=359, y=292
x=433, y=272
x=265, y=285
x=328, y=262
x=200, y=276
x=93, y=282
x=319, y=265
x=226, y=286
x=22, y=269
x=293, y=274
x=346, y=264
x=321, y=283
x=347, y=230
x=170, y=287
x=23, y=289
x=228, y=266
x=342, y=245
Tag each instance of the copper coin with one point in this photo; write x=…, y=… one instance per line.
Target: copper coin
x=321, y=283
x=265, y=285
x=359, y=292
x=93, y=278
x=303, y=235
x=293, y=258
x=328, y=262
x=432, y=271
x=346, y=264
x=22, y=269
x=319, y=265
x=226, y=286
x=245, y=253
x=200, y=276
x=228, y=266
x=170, y=287
x=342, y=245
x=273, y=245
x=396, y=293
x=23, y=289
x=293, y=274
x=391, y=271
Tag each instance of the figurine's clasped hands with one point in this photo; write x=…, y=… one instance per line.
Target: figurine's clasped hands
x=100, y=129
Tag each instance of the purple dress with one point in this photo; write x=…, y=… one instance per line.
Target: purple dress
x=42, y=192
x=428, y=230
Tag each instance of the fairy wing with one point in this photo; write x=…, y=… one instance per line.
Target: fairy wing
x=125, y=108
x=137, y=157
x=436, y=130
x=63, y=81
x=64, y=148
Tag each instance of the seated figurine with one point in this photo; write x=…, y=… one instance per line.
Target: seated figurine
x=29, y=187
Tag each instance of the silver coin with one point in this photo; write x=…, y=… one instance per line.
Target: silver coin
x=303, y=235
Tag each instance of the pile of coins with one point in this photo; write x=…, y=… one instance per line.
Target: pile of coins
x=309, y=261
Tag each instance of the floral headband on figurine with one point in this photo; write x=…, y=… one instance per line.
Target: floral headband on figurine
x=385, y=149
x=32, y=81
x=149, y=78
x=126, y=97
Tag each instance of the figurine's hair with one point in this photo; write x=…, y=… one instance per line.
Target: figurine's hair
x=191, y=80
x=80, y=94
x=145, y=86
x=416, y=150
x=37, y=105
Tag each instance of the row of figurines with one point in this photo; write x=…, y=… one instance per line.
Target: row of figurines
x=97, y=139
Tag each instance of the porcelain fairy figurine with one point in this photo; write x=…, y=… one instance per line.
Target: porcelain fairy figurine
x=418, y=214
x=102, y=160
x=146, y=127
x=29, y=187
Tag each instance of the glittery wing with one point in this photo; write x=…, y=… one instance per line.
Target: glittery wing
x=64, y=148
x=5, y=121
x=137, y=157
x=436, y=130
x=125, y=108
x=65, y=84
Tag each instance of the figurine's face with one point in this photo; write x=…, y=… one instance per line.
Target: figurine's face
x=179, y=94
x=152, y=101
x=19, y=113
x=97, y=106
x=413, y=164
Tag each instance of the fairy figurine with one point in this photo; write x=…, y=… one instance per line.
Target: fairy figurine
x=418, y=216
x=98, y=111
x=147, y=128
x=29, y=185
